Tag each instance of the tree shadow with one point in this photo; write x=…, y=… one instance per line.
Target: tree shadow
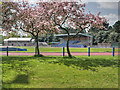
x=86, y=63
x=19, y=65
x=21, y=79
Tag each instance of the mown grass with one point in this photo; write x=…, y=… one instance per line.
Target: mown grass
x=59, y=49
x=60, y=72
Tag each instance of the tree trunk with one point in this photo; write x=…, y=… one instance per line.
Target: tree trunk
x=68, y=50
x=37, y=46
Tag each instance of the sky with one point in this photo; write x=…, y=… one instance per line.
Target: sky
x=108, y=9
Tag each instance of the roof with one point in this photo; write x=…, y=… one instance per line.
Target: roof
x=72, y=34
x=55, y=42
x=18, y=39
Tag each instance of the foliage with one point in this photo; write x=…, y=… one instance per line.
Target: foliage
x=116, y=26
x=14, y=34
x=111, y=35
x=9, y=11
x=102, y=37
x=0, y=2
x=1, y=39
x=48, y=37
x=114, y=37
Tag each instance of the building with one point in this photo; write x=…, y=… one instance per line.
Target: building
x=22, y=42
x=81, y=40
x=19, y=42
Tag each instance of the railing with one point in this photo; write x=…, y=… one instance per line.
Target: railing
x=12, y=49
x=113, y=51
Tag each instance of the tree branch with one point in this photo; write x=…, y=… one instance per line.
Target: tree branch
x=81, y=29
x=65, y=19
x=27, y=31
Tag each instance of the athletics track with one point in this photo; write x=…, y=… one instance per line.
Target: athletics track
x=55, y=54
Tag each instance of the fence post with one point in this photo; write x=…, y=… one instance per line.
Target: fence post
x=7, y=50
x=89, y=51
x=113, y=54
x=63, y=51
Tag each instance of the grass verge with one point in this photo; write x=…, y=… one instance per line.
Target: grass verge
x=60, y=72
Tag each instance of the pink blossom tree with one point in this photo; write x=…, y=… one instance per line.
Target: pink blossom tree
x=33, y=19
x=71, y=15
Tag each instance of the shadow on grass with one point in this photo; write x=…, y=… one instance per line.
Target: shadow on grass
x=21, y=79
x=85, y=63
x=19, y=65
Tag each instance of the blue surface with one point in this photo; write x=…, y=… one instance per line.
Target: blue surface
x=12, y=49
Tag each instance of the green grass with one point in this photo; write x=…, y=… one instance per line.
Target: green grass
x=59, y=49
x=59, y=72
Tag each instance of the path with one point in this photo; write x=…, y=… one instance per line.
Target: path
x=56, y=54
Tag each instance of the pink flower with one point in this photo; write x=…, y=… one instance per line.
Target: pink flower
x=24, y=5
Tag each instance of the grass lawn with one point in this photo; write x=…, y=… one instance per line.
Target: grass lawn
x=59, y=49
x=59, y=72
